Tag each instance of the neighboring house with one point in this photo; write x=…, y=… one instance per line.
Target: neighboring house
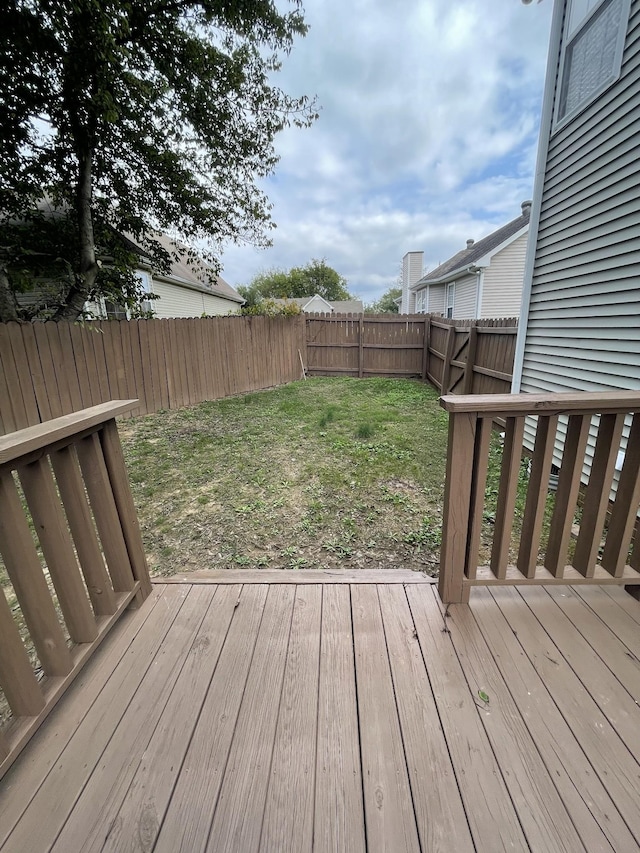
x=580, y=326
x=484, y=280
x=188, y=289
x=319, y=305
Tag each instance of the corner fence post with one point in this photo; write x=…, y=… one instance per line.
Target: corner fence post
x=457, y=497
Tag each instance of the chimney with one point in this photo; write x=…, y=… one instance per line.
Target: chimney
x=411, y=272
x=526, y=207
x=470, y=243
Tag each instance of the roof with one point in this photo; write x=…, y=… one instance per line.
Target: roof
x=193, y=273
x=478, y=250
x=347, y=306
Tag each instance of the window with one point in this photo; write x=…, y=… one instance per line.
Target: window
x=450, y=297
x=422, y=301
x=146, y=305
x=594, y=40
x=113, y=311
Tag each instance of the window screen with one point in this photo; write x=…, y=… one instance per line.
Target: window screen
x=592, y=58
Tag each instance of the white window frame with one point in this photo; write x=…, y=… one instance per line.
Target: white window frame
x=450, y=303
x=569, y=39
x=422, y=301
x=146, y=280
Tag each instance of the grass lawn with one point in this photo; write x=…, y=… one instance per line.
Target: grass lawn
x=317, y=474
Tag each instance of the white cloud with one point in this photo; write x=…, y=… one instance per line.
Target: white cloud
x=426, y=136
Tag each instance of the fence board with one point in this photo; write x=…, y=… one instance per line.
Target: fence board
x=13, y=395
x=66, y=349
x=35, y=369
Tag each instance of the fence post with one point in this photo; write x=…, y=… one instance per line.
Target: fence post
x=425, y=350
x=457, y=498
x=360, y=347
x=448, y=356
x=471, y=360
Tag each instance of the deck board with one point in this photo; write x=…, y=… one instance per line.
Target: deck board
x=545, y=820
x=339, y=808
x=343, y=717
x=388, y=804
x=146, y=799
x=607, y=753
x=492, y=817
x=600, y=825
x=237, y=822
x=440, y=817
x=607, y=692
x=187, y=820
x=288, y=817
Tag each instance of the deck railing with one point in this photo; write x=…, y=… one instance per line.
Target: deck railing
x=582, y=533
x=72, y=558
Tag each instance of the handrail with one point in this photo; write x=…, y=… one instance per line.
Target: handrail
x=553, y=429
x=71, y=547
x=518, y=405
x=24, y=441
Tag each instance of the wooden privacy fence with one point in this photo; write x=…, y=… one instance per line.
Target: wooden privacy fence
x=602, y=549
x=456, y=356
x=357, y=345
x=68, y=533
x=50, y=369
x=471, y=356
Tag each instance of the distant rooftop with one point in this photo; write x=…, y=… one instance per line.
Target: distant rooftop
x=475, y=251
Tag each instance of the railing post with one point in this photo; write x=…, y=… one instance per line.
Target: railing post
x=457, y=497
x=114, y=461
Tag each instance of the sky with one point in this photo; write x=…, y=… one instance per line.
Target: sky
x=427, y=136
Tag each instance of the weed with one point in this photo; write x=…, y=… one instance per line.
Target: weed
x=427, y=535
x=364, y=431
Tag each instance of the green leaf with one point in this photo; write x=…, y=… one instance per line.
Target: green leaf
x=483, y=696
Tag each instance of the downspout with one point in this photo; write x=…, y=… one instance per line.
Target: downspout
x=479, y=291
x=553, y=59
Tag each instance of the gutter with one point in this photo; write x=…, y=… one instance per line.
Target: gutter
x=471, y=269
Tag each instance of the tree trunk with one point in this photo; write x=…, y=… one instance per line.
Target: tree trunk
x=85, y=277
x=8, y=310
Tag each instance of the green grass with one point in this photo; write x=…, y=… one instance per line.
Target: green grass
x=314, y=474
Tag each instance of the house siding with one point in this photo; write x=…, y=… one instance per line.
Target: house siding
x=502, y=287
x=583, y=330
x=436, y=299
x=177, y=301
x=317, y=305
x=465, y=298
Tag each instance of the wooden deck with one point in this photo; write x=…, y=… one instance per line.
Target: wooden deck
x=343, y=716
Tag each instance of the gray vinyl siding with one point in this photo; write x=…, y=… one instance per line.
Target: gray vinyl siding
x=583, y=327
x=176, y=301
x=465, y=298
x=583, y=330
x=502, y=286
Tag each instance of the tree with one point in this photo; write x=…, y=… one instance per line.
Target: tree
x=386, y=304
x=130, y=116
x=298, y=282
